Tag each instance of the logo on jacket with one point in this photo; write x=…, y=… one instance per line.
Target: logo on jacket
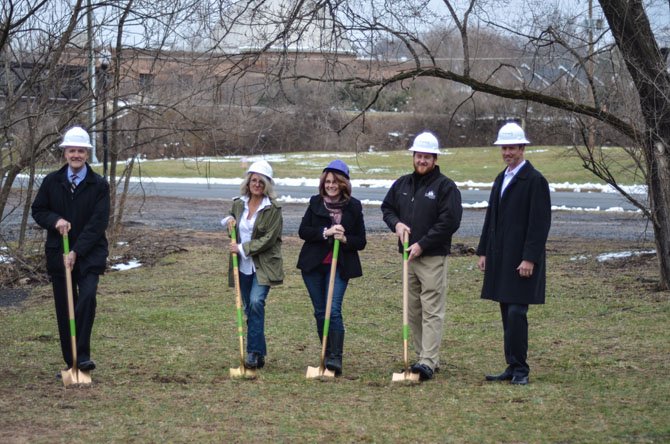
x=430, y=194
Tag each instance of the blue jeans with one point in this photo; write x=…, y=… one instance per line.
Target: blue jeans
x=316, y=282
x=253, y=297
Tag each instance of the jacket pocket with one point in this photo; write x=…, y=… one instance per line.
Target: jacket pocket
x=273, y=267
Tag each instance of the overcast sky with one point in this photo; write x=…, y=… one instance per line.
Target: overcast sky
x=517, y=13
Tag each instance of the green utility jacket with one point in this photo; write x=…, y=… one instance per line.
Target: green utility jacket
x=265, y=245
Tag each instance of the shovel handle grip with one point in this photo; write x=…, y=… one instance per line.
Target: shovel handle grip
x=233, y=236
x=405, y=246
x=66, y=244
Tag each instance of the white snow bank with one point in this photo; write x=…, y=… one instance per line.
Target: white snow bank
x=622, y=254
x=133, y=263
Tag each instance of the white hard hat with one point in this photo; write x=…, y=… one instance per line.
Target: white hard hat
x=261, y=167
x=511, y=134
x=76, y=137
x=426, y=143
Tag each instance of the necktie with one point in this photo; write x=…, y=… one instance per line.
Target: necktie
x=73, y=182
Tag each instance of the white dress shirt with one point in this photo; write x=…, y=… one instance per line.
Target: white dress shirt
x=509, y=175
x=245, y=228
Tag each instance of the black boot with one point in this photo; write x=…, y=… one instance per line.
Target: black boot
x=334, y=355
x=319, y=329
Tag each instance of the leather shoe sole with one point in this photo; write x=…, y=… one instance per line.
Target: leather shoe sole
x=425, y=372
x=504, y=376
x=519, y=380
x=86, y=366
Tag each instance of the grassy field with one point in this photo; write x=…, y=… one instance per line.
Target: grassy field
x=165, y=338
x=558, y=164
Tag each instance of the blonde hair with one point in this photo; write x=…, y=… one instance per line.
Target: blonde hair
x=342, y=182
x=268, y=189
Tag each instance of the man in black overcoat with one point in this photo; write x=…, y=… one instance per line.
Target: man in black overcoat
x=512, y=248
x=75, y=201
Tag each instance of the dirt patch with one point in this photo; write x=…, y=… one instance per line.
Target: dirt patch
x=12, y=297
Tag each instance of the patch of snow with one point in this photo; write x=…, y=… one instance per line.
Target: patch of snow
x=589, y=210
x=622, y=254
x=580, y=257
x=133, y=263
x=482, y=204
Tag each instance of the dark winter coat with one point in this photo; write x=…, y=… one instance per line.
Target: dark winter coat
x=430, y=205
x=516, y=229
x=316, y=248
x=87, y=210
x=264, y=248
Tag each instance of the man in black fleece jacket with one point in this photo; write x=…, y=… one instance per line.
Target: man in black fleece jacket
x=427, y=205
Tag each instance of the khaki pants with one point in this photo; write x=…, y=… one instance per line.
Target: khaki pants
x=427, y=305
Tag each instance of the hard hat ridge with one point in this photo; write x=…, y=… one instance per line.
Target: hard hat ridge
x=338, y=166
x=261, y=167
x=511, y=134
x=426, y=142
x=76, y=137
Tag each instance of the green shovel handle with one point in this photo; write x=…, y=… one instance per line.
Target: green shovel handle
x=233, y=236
x=66, y=244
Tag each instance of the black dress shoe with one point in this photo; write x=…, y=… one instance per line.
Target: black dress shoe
x=504, y=376
x=86, y=366
x=251, y=362
x=425, y=372
x=261, y=362
x=519, y=380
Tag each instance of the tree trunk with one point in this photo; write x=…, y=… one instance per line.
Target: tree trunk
x=7, y=184
x=631, y=29
x=26, y=206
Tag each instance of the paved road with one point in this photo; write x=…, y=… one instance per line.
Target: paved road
x=602, y=201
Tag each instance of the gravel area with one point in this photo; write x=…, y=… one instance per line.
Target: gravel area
x=205, y=214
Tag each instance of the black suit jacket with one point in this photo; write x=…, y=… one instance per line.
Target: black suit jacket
x=87, y=210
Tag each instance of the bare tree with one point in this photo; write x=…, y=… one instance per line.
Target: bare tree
x=593, y=72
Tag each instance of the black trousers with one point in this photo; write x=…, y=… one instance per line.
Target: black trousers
x=84, y=289
x=515, y=327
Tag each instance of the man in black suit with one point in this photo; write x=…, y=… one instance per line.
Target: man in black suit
x=75, y=201
x=512, y=248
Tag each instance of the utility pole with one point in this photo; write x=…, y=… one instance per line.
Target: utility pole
x=590, y=70
x=91, y=78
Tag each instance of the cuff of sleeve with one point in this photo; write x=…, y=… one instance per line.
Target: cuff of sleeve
x=240, y=249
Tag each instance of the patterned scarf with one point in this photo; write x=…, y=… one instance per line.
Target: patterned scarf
x=334, y=207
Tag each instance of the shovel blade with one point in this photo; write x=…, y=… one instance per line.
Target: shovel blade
x=242, y=372
x=318, y=372
x=74, y=376
x=405, y=376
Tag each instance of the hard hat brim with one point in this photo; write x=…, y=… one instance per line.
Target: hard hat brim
x=75, y=145
x=425, y=150
x=512, y=142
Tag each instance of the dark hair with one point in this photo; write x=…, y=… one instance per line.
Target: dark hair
x=342, y=181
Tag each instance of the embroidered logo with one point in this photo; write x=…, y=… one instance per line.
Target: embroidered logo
x=430, y=194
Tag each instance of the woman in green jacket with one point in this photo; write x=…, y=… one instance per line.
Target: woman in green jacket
x=259, y=226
